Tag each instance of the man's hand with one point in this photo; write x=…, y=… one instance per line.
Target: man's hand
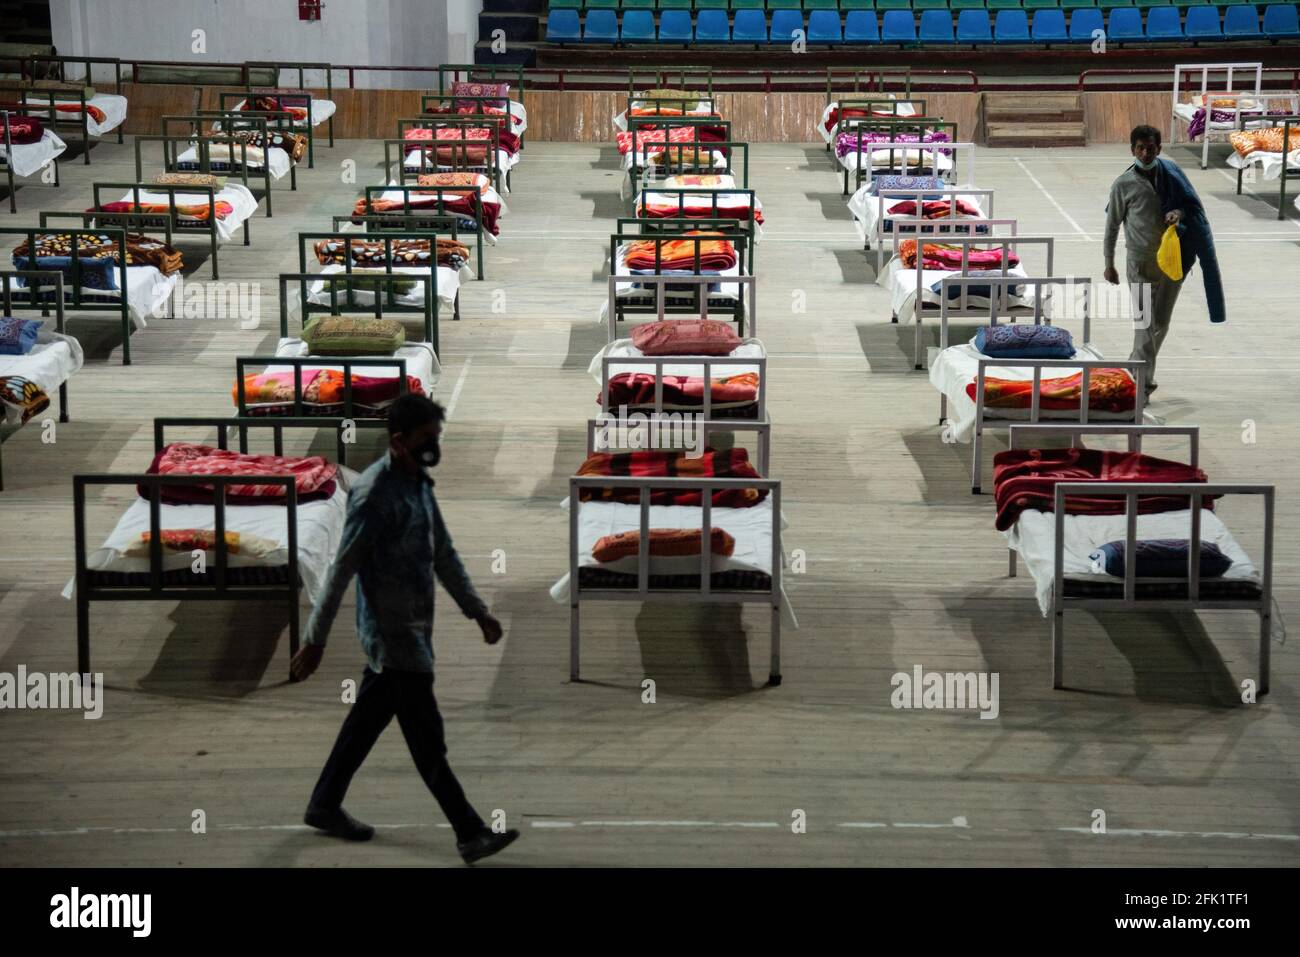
x=1111, y=276
x=490, y=627
x=1174, y=217
x=306, y=661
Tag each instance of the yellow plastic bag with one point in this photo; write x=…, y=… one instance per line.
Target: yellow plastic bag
x=1169, y=257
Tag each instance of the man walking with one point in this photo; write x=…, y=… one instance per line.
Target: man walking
x=395, y=541
x=1147, y=198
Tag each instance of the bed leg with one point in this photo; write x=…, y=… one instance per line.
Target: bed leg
x=916, y=359
x=976, y=449
x=1265, y=650
x=83, y=634
x=1058, y=648
x=455, y=307
x=573, y=639
x=1011, y=563
x=774, y=673
x=293, y=627
x=893, y=317
x=63, y=402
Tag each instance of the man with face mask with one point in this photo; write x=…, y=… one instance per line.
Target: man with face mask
x=1146, y=199
x=395, y=541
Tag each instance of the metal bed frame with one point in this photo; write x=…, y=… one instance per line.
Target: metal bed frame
x=7, y=301
x=277, y=66
x=78, y=300
x=919, y=125
x=432, y=105
x=171, y=146
x=680, y=103
x=267, y=121
x=1130, y=492
x=872, y=106
x=635, y=124
x=746, y=227
x=474, y=72
x=643, y=591
x=1288, y=171
x=295, y=96
x=6, y=162
x=670, y=230
x=82, y=122
x=876, y=78
x=376, y=223
x=665, y=74
x=436, y=212
x=169, y=222
x=997, y=309
x=1205, y=69
x=919, y=196
x=459, y=146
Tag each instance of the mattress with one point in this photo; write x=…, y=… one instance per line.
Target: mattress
x=1187, y=112
x=29, y=158
x=901, y=283
x=867, y=215
x=909, y=160
x=957, y=366
x=241, y=199
x=623, y=348
x=321, y=110
x=725, y=201
x=449, y=281
x=277, y=160
x=320, y=527
x=414, y=163
x=421, y=363
x=1270, y=164
x=147, y=294
x=113, y=106
x=903, y=109
x=1034, y=535
x=52, y=362
x=701, y=109
x=488, y=195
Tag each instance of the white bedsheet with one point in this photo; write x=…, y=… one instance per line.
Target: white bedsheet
x=901, y=283
x=113, y=105
x=237, y=195
x=320, y=111
x=1186, y=112
x=449, y=281
x=29, y=158
x=1270, y=164
x=866, y=210
x=52, y=362
x=421, y=362
x=917, y=161
x=147, y=293
x=279, y=161
x=320, y=527
x=1034, y=539
x=957, y=366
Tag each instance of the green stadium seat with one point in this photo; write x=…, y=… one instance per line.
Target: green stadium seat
x=821, y=4
x=748, y=4
x=1083, y=4
x=1112, y=4
x=672, y=4
x=1151, y=3
x=966, y=4
x=564, y=5
x=602, y=4
x=893, y=4
x=711, y=4
x=1003, y=4
x=1039, y=4
x=929, y=4
x=638, y=4
x=857, y=4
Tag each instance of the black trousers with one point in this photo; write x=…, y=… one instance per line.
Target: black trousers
x=408, y=695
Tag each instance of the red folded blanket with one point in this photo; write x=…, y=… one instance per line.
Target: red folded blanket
x=314, y=478
x=934, y=209
x=714, y=463
x=1109, y=390
x=199, y=211
x=948, y=257
x=1026, y=479
x=638, y=389
x=715, y=255
x=22, y=129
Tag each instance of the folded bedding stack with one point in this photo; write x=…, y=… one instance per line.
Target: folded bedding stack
x=314, y=477
x=713, y=463
x=684, y=337
x=400, y=252
x=1267, y=140
x=681, y=255
x=294, y=144
x=949, y=258
x=200, y=212
x=847, y=143
x=97, y=254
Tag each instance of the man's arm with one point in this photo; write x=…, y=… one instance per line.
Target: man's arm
x=362, y=527
x=450, y=571
x=1115, y=211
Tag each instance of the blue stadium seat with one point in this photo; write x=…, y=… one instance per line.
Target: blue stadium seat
x=936, y=26
x=562, y=26
x=897, y=26
x=601, y=27
x=824, y=27
x=860, y=26
x=675, y=26
x=973, y=27
x=712, y=26
x=1049, y=27
x=1125, y=24
x=750, y=26
x=1011, y=26
x=1083, y=23
x=784, y=25
x=1241, y=22
x=1202, y=24
x=1281, y=21
x=1163, y=23
x=638, y=26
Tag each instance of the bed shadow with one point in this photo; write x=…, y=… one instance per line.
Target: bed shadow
x=100, y=336
x=606, y=204
x=607, y=156
x=834, y=206
x=698, y=650
x=855, y=267
x=585, y=340
x=944, y=467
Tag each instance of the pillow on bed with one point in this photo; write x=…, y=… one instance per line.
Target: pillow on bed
x=17, y=336
x=353, y=336
x=1160, y=558
x=663, y=541
x=189, y=179
x=1019, y=341
x=685, y=337
x=896, y=181
x=203, y=539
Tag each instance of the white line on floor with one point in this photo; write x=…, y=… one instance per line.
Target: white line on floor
x=1051, y=199
x=460, y=384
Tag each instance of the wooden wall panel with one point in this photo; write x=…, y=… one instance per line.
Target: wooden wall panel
x=1109, y=116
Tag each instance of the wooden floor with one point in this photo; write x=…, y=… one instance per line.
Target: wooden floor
x=904, y=568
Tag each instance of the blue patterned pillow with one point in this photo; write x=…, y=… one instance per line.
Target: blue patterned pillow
x=1160, y=558
x=17, y=336
x=1024, y=341
x=897, y=181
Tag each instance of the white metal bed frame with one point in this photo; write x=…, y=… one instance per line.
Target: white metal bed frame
x=1205, y=69
x=1131, y=491
x=950, y=193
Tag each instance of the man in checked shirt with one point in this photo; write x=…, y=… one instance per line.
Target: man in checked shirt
x=395, y=541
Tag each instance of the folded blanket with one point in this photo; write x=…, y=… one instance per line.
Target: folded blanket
x=638, y=389
x=474, y=134
x=847, y=143
x=1267, y=140
x=1196, y=126
x=458, y=202
x=933, y=209
x=715, y=255
x=23, y=129
x=193, y=211
x=314, y=477
x=295, y=106
x=21, y=399
x=295, y=144
x=471, y=88
x=676, y=134
x=36, y=103
x=1026, y=479
x=949, y=257
x=405, y=252
x=322, y=387
x=833, y=117
x=1109, y=390
x=97, y=257
x=696, y=207
x=714, y=463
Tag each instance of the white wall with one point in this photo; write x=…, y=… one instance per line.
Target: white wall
x=358, y=32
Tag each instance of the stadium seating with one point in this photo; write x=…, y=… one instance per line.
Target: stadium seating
x=675, y=26
x=784, y=25
x=638, y=27
x=936, y=26
x=1011, y=26
x=1125, y=23
x=973, y=27
x=562, y=26
x=897, y=26
x=601, y=26
x=860, y=26
x=749, y=26
x=1085, y=24
x=824, y=27
x=712, y=26
x=1203, y=24
x=1163, y=23
x=1049, y=27
x=1281, y=21
x=1241, y=22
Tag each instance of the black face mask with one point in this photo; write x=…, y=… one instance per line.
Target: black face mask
x=429, y=454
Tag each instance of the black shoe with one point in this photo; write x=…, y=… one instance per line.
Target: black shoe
x=485, y=844
x=338, y=823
